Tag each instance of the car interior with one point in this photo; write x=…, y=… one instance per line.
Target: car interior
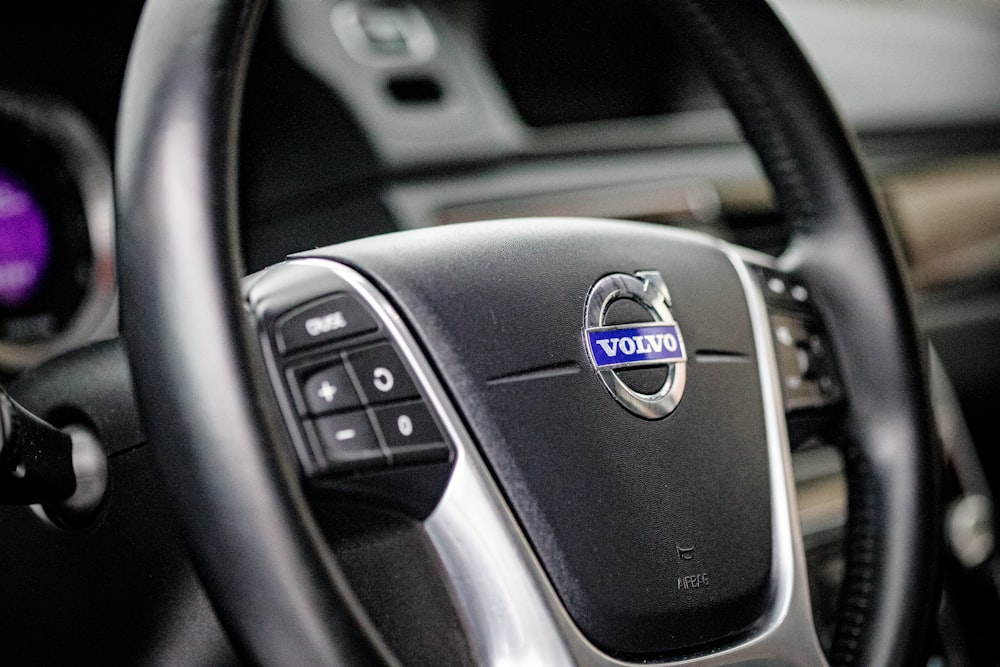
x=452, y=332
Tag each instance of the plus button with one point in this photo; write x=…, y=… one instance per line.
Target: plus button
x=327, y=391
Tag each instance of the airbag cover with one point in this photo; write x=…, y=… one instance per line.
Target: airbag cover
x=656, y=534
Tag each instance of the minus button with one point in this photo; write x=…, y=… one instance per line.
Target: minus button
x=349, y=442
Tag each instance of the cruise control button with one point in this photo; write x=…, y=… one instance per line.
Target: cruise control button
x=381, y=374
x=333, y=318
x=410, y=433
x=349, y=442
x=328, y=390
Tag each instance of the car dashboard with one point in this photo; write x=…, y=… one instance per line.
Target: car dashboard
x=363, y=118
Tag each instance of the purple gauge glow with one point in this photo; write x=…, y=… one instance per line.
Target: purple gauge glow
x=24, y=242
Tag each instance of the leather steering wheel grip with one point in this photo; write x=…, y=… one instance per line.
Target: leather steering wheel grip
x=200, y=389
x=206, y=401
x=848, y=255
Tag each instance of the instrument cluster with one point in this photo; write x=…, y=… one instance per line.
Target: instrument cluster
x=57, y=282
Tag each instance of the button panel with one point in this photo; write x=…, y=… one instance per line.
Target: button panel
x=356, y=408
x=808, y=374
x=330, y=389
x=343, y=367
x=372, y=377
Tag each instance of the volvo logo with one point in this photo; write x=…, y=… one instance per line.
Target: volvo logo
x=615, y=347
x=654, y=342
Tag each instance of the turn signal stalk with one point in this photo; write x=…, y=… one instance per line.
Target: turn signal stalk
x=36, y=459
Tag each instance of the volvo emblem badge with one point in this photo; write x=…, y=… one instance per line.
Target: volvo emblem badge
x=657, y=341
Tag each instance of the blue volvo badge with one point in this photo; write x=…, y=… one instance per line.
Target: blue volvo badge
x=647, y=344
x=655, y=342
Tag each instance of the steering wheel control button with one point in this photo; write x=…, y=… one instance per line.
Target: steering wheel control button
x=331, y=319
x=348, y=442
x=327, y=390
x=381, y=374
x=628, y=325
x=410, y=433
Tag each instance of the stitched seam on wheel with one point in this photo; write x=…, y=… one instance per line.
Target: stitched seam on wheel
x=862, y=552
x=785, y=170
x=759, y=120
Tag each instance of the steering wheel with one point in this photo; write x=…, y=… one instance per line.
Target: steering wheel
x=599, y=494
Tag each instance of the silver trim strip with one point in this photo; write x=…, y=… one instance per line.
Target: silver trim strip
x=512, y=613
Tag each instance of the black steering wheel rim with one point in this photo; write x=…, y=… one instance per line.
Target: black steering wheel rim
x=204, y=394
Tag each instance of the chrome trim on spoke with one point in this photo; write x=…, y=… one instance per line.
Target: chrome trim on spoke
x=511, y=610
